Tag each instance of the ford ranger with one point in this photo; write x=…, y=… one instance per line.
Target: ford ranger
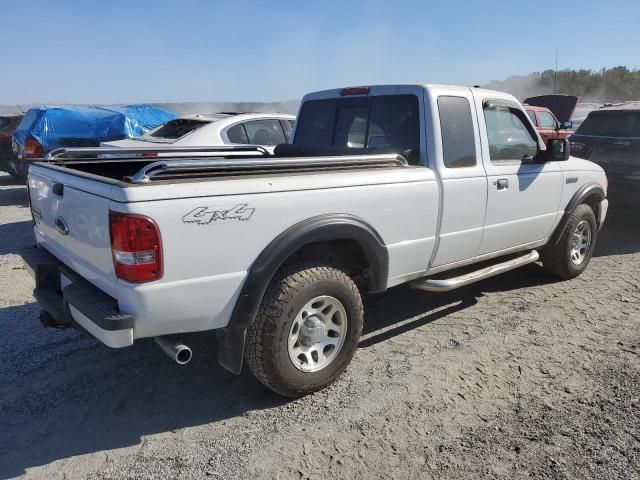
x=428, y=185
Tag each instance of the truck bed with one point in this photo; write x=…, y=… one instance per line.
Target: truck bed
x=213, y=162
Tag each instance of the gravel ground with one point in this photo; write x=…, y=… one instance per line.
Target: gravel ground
x=519, y=376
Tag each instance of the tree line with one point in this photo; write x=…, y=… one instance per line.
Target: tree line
x=617, y=84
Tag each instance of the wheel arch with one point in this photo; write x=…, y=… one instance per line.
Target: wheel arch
x=591, y=194
x=322, y=228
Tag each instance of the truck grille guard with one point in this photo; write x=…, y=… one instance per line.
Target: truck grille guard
x=253, y=158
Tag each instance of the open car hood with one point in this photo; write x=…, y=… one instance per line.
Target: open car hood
x=562, y=106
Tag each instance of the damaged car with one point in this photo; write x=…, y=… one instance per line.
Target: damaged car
x=551, y=115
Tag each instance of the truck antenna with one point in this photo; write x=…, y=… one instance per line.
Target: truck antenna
x=555, y=76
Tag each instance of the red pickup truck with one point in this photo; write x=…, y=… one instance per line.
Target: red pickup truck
x=551, y=115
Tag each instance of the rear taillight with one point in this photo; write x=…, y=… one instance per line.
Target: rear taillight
x=149, y=154
x=136, y=247
x=32, y=149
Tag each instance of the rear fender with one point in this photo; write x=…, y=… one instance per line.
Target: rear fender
x=313, y=230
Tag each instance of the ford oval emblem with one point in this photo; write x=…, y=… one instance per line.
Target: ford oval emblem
x=61, y=225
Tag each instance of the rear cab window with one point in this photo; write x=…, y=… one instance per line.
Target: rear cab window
x=390, y=123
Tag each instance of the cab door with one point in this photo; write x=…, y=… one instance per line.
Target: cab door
x=523, y=194
x=463, y=178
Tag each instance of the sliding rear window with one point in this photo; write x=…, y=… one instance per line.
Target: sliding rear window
x=385, y=122
x=611, y=124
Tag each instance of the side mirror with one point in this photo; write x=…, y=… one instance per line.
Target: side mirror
x=566, y=125
x=558, y=150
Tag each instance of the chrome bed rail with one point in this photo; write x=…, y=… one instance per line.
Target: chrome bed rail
x=145, y=174
x=83, y=153
x=232, y=159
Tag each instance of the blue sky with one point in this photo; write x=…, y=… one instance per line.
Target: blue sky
x=137, y=51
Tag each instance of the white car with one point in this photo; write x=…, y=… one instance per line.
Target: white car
x=213, y=129
x=380, y=186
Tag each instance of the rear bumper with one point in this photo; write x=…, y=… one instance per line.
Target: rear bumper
x=70, y=299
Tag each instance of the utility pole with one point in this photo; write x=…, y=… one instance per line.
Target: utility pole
x=555, y=76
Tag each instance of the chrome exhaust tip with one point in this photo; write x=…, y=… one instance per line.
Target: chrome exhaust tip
x=177, y=351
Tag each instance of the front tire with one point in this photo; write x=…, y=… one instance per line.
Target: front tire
x=307, y=329
x=571, y=255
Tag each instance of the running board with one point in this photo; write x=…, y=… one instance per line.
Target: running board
x=446, y=284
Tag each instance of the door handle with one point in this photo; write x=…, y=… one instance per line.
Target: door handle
x=502, y=184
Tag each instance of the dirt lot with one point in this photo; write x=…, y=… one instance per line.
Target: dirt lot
x=516, y=377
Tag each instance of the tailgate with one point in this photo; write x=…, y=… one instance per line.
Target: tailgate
x=72, y=222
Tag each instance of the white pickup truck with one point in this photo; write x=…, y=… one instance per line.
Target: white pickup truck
x=380, y=186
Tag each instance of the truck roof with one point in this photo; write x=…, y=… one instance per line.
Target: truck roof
x=389, y=89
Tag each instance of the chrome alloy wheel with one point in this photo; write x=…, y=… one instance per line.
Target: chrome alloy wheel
x=317, y=334
x=580, y=242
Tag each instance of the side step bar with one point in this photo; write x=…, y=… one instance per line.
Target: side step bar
x=446, y=284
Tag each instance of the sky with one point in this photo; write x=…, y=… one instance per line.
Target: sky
x=73, y=51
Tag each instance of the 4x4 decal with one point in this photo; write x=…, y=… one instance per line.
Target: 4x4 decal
x=217, y=214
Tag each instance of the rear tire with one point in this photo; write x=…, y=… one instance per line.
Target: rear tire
x=571, y=255
x=307, y=329
x=12, y=168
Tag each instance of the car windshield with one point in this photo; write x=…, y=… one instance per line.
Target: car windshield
x=173, y=130
x=611, y=124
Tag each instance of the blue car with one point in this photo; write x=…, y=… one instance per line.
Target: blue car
x=46, y=128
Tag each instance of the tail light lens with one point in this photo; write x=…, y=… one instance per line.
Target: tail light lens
x=136, y=247
x=32, y=149
x=149, y=154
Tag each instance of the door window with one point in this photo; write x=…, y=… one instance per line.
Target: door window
x=547, y=120
x=508, y=136
x=458, y=138
x=287, y=126
x=264, y=132
x=237, y=134
x=532, y=116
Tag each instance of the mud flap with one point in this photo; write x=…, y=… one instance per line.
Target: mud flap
x=231, y=348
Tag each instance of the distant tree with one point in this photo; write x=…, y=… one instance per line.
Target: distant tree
x=617, y=84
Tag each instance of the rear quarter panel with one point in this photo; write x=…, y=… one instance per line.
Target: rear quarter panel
x=208, y=252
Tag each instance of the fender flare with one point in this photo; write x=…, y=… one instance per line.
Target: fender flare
x=587, y=190
x=315, y=229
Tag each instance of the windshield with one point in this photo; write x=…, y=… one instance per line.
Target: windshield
x=611, y=124
x=173, y=130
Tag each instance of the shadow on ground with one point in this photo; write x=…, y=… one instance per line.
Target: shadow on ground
x=13, y=192
x=14, y=236
x=620, y=234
